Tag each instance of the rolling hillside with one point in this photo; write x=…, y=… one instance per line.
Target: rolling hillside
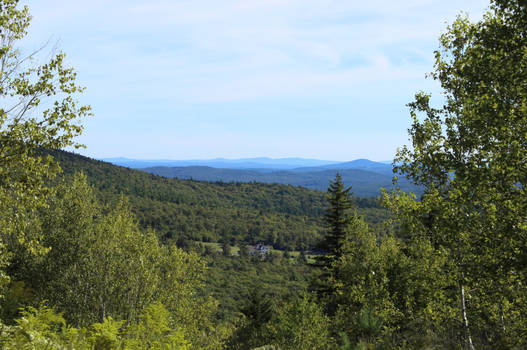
x=286, y=217
x=365, y=183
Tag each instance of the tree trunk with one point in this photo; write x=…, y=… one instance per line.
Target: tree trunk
x=502, y=318
x=466, y=330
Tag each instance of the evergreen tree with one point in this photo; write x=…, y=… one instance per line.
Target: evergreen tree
x=226, y=249
x=253, y=331
x=344, y=225
x=338, y=218
x=259, y=308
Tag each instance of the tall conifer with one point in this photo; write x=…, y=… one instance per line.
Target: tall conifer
x=338, y=217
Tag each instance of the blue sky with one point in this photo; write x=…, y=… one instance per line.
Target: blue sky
x=199, y=79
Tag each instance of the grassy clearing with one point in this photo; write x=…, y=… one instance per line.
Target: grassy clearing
x=235, y=250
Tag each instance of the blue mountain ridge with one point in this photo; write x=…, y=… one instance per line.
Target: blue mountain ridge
x=365, y=176
x=262, y=163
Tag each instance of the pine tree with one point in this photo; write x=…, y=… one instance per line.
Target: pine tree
x=338, y=219
x=254, y=331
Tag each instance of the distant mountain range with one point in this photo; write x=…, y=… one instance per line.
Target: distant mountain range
x=252, y=163
x=365, y=176
x=245, y=163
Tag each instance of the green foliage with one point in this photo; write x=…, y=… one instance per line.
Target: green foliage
x=35, y=329
x=353, y=266
x=17, y=296
x=26, y=87
x=43, y=328
x=105, y=335
x=155, y=331
x=366, y=183
x=298, y=324
x=231, y=280
x=362, y=287
x=38, y=111
x=339, y=218
x=301, y=325
x=99, y=262
x=469, y=155
x=101, y=267
x=284, y=217
x=381, y=291
x=253, y=329
x=259, y=308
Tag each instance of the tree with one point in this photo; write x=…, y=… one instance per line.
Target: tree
x=343, y=226
x=362, y=288
x=469, y=156
x=254, y=328
x=338, y=219
x=226, y=248
x=38, y=112
x=90, y=248
x=301, y=325
x=101, y=265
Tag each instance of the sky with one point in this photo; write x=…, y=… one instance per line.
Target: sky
x=202, y=79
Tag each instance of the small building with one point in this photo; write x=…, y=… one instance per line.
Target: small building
x=259, y=249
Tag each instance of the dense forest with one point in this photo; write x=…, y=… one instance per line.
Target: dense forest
x=205, y=217
x=365, y=182
x=95, y=256
x=285, y=217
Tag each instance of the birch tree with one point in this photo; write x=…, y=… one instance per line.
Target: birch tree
x=38, y=110
x=469, y=154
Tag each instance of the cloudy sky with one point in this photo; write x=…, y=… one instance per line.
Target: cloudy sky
x=189, y=79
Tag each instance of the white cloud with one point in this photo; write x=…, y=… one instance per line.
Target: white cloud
x=246, y=45
x=163, y=54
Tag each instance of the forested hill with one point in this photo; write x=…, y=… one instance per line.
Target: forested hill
x=116, y=179
x=286, y=217
x=366, y=182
